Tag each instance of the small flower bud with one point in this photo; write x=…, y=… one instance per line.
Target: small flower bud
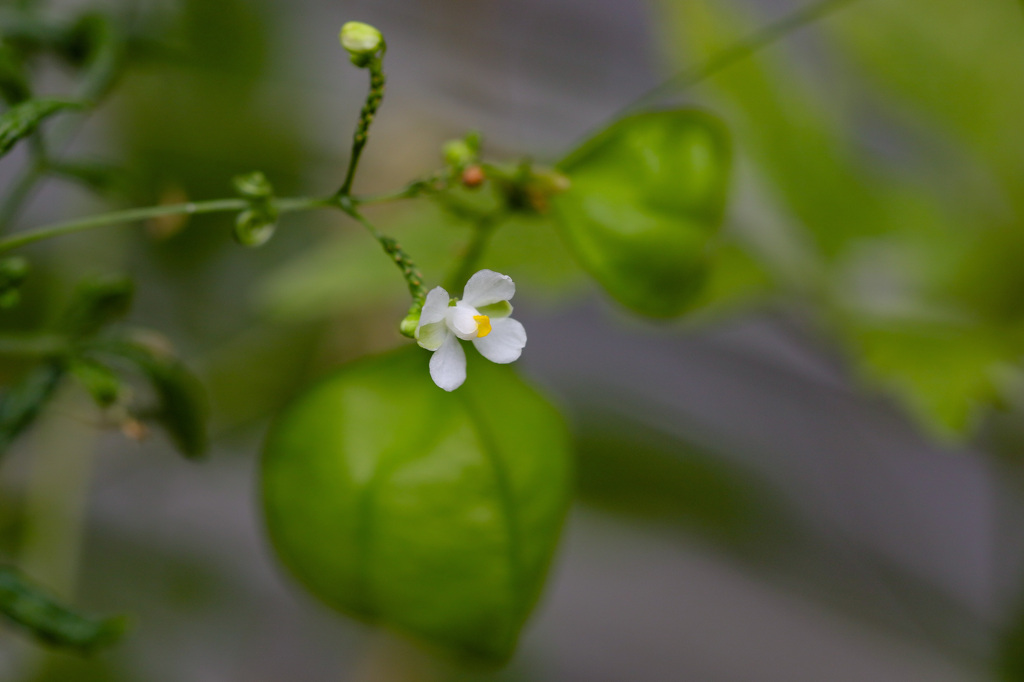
x=457, y=153
x=473, y=176
x=362, y=41
x=411, y=321
x=254, y=227
x=254, y=185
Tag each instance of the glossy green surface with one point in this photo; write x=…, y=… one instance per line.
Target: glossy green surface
x=647, y=197
x=434, y=513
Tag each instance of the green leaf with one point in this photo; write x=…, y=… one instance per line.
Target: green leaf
x=51, y=622
x=101, y=383
x=181, y=409
x=96, y=303
x=954, y=65
x=431, y=512
x=646, y=201
x=98, y=45
x=14, y=87
x=911, y=275
x=22, y=120
x=23, y=402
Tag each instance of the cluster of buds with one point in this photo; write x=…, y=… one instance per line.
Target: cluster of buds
x=256, y=224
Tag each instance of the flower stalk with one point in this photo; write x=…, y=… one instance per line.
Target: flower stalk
x=366, y=47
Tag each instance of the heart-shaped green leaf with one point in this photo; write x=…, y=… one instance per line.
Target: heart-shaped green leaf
x=430, y=512
x=647, y=196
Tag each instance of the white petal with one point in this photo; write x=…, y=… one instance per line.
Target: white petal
x=487, y=287
x=448, y=364
x=461, y=322
x=505, y=342
x=431, y=336
x=435, y=308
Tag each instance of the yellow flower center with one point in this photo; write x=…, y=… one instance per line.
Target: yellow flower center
x=483, y=325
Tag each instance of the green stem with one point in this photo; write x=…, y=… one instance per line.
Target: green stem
x=749, y=46
x=484, y=230
x=425, y=185
x=136, y=214
x=362, y=133
x=40, y=345
x=412, y=275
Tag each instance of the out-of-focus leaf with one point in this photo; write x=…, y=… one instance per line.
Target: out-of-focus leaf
x=945, y=373
x=435, y=513
x=98, y=44
x=182, y=408
x=98, y=379
x=957, y=66
x=14, y=87
x=51, y=622
x=647, y=197
x=737, y=280
x=96, y=303
x=23, y=402
x=904, y=268
x=13, y=271
x=796, y=139
x=20, y=121
x=1009, y=659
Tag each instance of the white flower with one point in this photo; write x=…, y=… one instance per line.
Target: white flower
x=482, y=316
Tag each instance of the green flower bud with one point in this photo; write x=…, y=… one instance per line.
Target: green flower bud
x=462, y=152
x=255, y=227
x=362, y=41
x=254, y=185
x=457, y=153
x=409, y=324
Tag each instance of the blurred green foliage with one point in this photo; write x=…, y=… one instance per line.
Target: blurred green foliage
x=897, y=185
x=51, y=622
x=646, y=199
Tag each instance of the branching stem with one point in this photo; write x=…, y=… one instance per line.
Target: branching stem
x=136, y=214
